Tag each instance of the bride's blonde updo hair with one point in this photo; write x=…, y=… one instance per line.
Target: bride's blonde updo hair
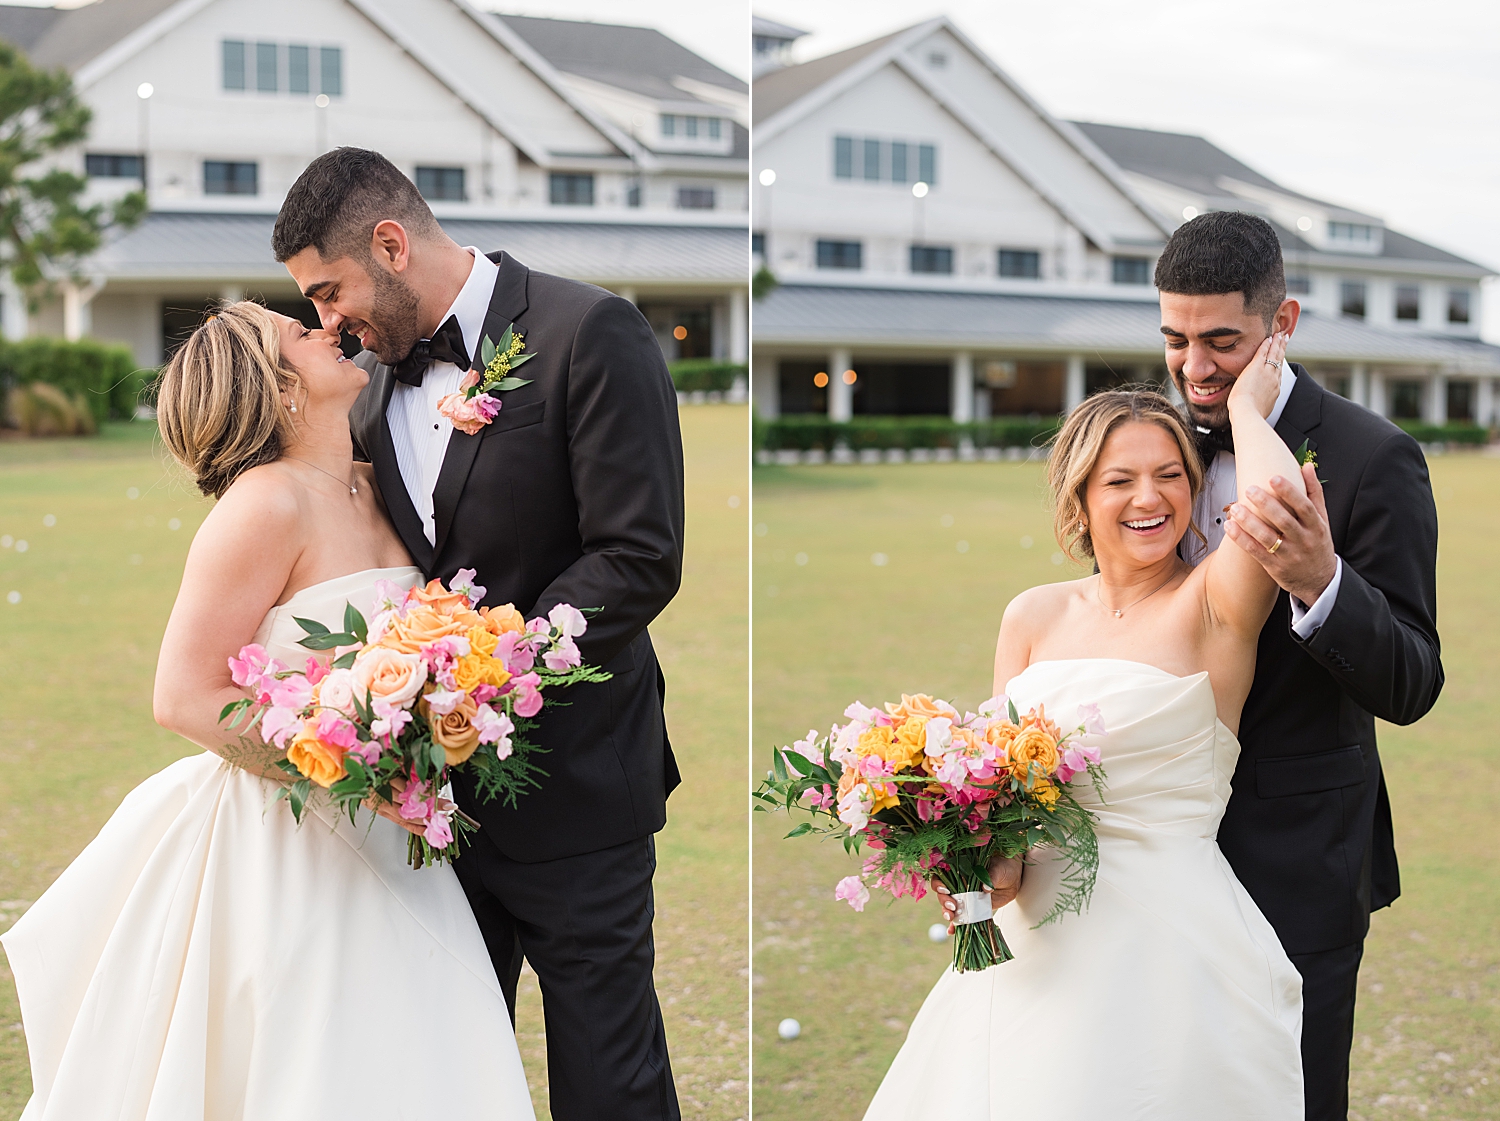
x=1076, y=449
x=219, y=403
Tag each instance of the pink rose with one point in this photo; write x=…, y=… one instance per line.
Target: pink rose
x=383, y=674
x=469, y=414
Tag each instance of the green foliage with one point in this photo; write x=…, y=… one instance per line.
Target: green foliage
x=763, y=283
x=804, y=432
x=44, y=229
x=101, y=376
x=708, y=374
x=1454, y=433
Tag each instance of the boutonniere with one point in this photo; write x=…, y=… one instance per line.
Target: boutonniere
x=1307, y=454
x=476, y=404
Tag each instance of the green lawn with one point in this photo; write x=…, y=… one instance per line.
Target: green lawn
x=960, y=540
x=95, y=590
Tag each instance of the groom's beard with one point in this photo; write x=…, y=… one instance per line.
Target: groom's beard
x=393, y=317
x=1216, y=416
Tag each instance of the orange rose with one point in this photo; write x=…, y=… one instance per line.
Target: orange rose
x=319, y=761
x=919, y=705
x=389, y=675
x=439, y=599
x=503, y=618
x=1033, y=745
x=455, y=732
x=422, y=627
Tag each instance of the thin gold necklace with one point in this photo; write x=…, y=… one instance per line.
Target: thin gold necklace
x=1120, y=611
x=330, y=474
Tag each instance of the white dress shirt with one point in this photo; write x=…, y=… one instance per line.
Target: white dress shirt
x=418, y=431
x=1220, y=489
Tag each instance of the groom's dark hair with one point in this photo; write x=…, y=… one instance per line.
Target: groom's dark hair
x=1221, y=252
x=340, y=198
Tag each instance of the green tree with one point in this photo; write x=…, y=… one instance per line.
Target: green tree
x=44, y=229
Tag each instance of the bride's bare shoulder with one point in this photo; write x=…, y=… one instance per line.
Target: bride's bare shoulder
x=1041, y=604
x=262, y=511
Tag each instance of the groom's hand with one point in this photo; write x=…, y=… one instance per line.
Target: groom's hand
x=1304, y=562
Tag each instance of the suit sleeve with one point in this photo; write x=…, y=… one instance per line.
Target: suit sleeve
x=1380, y=641
x=625, y=456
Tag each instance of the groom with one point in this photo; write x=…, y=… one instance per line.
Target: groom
x=572, y=493
x=1353, y=636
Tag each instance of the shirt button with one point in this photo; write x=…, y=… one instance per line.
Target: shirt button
x=434, y=428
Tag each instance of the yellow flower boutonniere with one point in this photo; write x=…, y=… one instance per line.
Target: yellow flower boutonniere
x=475, y=403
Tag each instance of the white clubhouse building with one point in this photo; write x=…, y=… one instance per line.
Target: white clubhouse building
x=945, y=246
x=609, y=154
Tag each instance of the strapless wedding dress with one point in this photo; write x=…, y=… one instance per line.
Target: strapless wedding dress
x=1170, y=997
x=205, y=959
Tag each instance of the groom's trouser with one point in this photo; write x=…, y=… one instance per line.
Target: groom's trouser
x=1328, y=989
x=584, y=924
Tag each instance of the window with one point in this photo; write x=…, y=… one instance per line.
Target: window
x=1298, y=284
x=1131, y=270
x=927, y=164
x=1350, y=231
x=695, y=198
x=1352, y=298
x=223, y=178
x=331, y=71
x=1458, y=305
x=715, y=128
x=840, y=254
x=99, y=165
x=1023, y=263
x=932, y=259
x=758, y=244
x=690, y=127
x=633, y=193
x=1408, y=301
x=299, y=69
x=899, y=173
x=872, y=160
x=843, y=157
x=668, y=125
x=570, y=189
x=441, y=184
x=234, y=65
x=1406, y=400
x=265, y=67
x=1461, y=401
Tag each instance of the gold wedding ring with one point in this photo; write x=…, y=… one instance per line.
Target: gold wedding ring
x=1273, y=548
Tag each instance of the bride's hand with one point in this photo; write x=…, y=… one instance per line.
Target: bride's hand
x=391, y=812
x=1260, y=380
x=1005, y=882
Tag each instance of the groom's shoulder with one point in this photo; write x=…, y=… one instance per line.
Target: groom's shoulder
x=1353, y=430
x=559, y=295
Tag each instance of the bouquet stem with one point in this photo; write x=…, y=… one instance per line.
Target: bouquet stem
x=977, y=943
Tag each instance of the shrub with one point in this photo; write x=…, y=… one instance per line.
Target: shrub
x=102, y=377
x=809, y=431
x=1455, y=433
x=691, y=374
x=40, y=409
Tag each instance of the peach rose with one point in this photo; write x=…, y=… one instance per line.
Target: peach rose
x=455, y=732
x=319, y=761
x=1033, y=745
x=440, y=599
x=504, y=618
x=422, y=627
x=389, y=675
x=336, y=691
x=919, y=705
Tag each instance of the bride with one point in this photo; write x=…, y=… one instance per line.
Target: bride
x=1170, y=997
x=204, y=957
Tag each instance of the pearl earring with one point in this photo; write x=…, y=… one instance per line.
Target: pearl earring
x=294, y=408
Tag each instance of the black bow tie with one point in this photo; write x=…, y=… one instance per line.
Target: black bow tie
x=446, y=345
x=1212, y=441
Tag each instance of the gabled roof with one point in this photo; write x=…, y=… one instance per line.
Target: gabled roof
x=639, y=59
x=760, y=25
x=779, y=88
x=23, y=26
x=1198, y=165
x=76, y=35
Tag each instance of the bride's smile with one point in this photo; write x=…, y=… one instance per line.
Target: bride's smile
x=1140, y=487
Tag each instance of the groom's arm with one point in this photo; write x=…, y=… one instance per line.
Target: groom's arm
x=1380, y=640
x=625, y=455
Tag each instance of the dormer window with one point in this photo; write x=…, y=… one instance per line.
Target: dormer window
x=884, y=161
x=687, y=130
x=1356, y=233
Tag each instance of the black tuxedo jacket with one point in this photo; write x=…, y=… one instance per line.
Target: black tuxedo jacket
x=1308, y=827
x=572, y=494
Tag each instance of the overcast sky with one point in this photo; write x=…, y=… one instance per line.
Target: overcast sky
x=1384, y=106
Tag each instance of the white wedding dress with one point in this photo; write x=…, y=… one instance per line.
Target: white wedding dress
x=1170, y=997
x=204, y=959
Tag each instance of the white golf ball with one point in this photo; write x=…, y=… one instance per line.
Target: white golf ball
x=789, y=1029
x=937, y=932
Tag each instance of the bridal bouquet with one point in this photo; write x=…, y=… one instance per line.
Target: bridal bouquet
x=432, y=682
x=935, y=794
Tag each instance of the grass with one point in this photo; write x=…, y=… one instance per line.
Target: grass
x=101, y=581
x=959, y=541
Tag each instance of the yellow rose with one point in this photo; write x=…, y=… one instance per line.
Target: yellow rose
x=455, y=732
x=1045, y=792
x=1033, y=745
x=884, y=795
x=383, y=674
x=874, y=740
x=319, y=761
x=909, y=746
x=482, y=640
x=470, y=671
x=422, y=627
x=504, y=618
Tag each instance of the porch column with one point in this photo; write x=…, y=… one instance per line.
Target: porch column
x=1484, y=403
x=765, y=385
x=1377, y=393
x=1435, y=410
x=78, y=319
x=840, y=392
x=961, y=393
x=1073, y=383
x=739, y=325
x=1359, y=384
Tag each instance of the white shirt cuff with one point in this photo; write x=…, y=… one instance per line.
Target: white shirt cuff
x=1307, y=620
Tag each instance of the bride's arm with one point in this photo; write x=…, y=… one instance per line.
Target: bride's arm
x=236, y=570
x=1240, y=592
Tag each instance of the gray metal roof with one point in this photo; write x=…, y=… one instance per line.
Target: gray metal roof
x=814, y=315
x=23, y=26
x=760, y=25
x=639, y=59
x=78, y=35
x=777, y=89
x=237, y=247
